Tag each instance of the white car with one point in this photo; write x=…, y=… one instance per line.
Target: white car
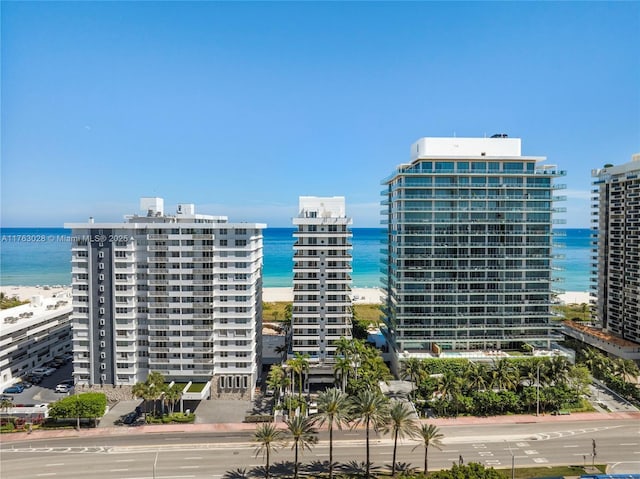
x=63, y=388
x=43, y=371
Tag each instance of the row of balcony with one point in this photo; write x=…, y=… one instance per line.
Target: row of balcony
x=457, y=220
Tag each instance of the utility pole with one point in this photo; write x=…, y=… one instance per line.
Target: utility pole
x=593, y=459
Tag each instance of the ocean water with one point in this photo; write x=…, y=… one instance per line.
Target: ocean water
x=42, y=256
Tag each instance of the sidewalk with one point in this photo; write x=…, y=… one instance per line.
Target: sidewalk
x=240, y=427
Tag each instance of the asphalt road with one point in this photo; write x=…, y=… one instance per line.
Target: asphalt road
x=232, y=455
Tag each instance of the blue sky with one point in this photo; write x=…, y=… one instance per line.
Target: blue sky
x=243, y=107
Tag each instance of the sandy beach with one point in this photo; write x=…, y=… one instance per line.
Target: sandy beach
x=574, y=297
x=25, y=293
x=269, y=295
x=360, y=295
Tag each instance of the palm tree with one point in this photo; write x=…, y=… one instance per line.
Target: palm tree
x=449, y=384
x=584, y=307
x=505, y=376
x=299, y=364
x=624, y=368
x=344, y=347
x=556, y=370
x=430, y=436
x=155, y=387
x=282, y=350
x=142, y=391
x=370, y=408
x=333, y=408
x=595, y=361
x=341, y=369
x=402, y=423
x=173, y=394
x=5, y=404
x=303, y=434
x=269, y=439
x=413, y=371
x=476, y=376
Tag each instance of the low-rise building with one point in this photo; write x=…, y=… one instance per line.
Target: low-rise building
x=32, y=334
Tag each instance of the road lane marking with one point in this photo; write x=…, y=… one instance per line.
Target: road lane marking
x=189, y=467
x=46, y=474
x=451, y=450
x=572, y=446
x=629, y=444
x=118, y=470
x=531, y=451
x=194, y=457
x=57, y=464
x=540, y=460
x=322, y=455
x=125, y=460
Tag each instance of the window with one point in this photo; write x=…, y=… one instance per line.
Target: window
x=444, y=166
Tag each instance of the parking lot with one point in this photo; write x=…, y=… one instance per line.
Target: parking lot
x=44, y=392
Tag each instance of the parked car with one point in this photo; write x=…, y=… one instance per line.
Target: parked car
x=15, y=389
x=68, y=382
x=34, y=378
x=6, y=397
x=43, y=371
x=63, y=388
x=25, y=384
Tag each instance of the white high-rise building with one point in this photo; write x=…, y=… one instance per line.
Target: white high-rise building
x=179, y=294
x=321, y=277
x=617, y=248
x=469, y=247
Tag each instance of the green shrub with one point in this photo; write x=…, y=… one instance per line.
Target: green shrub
x=9, y=427
x=183, y=418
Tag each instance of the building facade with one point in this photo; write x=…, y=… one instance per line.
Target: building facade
x=468, y=256
x=179, y=294
x=33, y=334
x=322, y=310
x=616, y=250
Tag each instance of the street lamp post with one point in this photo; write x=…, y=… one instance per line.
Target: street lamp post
x=538, y=390
x=77, y=411
x=513, y=462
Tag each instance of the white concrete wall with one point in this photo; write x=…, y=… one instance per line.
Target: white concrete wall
x=465, y=147
x=325, y=207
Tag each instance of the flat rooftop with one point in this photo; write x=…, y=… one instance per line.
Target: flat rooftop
x=39, y=309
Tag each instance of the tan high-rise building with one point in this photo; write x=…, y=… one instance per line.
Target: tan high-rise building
x=617, y=249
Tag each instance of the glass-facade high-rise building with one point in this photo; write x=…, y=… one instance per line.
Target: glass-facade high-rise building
x=469, y=249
